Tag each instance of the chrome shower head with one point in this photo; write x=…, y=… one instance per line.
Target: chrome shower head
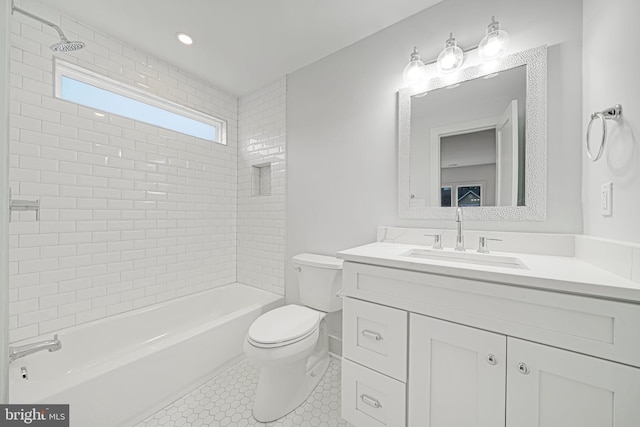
x=67, y=46
x=64, y=45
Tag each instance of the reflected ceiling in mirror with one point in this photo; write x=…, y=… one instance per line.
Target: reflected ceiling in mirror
x=476, y=141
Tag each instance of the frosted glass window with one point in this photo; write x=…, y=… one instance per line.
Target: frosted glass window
x=91, y=90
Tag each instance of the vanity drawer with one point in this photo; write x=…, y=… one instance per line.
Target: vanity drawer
x=376, y=336
x=370, y=399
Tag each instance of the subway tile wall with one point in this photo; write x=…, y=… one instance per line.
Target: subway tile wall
x=132, y=214
x=261, y=218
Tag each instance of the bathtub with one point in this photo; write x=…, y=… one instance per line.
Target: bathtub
x=118, y=370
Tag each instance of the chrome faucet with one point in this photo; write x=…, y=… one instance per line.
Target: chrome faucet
x=25, y=350
x=459, y=236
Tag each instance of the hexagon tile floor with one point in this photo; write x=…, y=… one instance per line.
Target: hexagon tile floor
x=226, y=401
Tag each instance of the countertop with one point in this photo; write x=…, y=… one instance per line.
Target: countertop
x=552, y=273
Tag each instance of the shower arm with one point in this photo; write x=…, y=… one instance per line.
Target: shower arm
x=37, y=18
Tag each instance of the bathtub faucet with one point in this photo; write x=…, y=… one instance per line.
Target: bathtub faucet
x=25, y=350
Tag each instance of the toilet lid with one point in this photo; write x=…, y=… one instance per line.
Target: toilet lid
x=284, y=324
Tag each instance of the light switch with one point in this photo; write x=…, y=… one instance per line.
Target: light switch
x=606, y=199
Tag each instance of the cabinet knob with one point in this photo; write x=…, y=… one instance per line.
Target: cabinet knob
x=523, y=368
x=491, y=359
x=371, y=334
x=371, y=401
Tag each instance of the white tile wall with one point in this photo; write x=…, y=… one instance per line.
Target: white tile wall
x=131, y=214
x=261, y=219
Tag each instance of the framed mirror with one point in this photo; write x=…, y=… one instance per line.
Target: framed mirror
x=476, y=140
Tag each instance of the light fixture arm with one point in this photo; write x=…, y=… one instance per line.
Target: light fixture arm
x=465, y=51
x=451, y=41
x=63, y=38
x=493, y=26
x=415, y=56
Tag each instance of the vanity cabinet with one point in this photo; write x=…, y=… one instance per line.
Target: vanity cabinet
x=477, y=354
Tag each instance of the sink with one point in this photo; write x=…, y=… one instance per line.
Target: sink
x=466, y=258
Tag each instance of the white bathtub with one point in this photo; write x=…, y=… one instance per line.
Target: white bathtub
x=115, y=371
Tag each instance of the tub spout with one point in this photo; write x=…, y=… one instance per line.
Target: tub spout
x=25, y=350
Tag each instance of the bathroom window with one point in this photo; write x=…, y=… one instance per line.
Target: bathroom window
x=87, y=88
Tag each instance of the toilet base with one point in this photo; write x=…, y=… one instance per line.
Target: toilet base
x=284, y=387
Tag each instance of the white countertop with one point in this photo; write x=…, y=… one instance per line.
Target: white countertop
x=553, y=273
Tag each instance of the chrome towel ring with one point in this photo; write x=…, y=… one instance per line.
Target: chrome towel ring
x=613, y=113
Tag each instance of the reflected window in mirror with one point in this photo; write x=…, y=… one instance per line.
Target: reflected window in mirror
x=445, y=196
x=469, y=195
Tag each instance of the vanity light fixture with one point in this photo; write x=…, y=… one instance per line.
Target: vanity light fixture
x=185, y=38
x=414, y=71
x=492, y=46
x=451, y=57
x=494, y=43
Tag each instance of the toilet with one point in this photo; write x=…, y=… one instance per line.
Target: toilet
x=291, y=343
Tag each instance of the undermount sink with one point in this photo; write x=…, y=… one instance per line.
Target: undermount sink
x=466, y=258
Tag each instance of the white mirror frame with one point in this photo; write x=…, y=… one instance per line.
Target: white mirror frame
x=535, y=208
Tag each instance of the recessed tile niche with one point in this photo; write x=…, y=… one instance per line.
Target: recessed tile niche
x=261, y=180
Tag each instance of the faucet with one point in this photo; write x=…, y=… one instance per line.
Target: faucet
x=25, y=350
x=459, y=236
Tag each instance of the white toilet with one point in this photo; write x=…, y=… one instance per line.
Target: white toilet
x=291, y=343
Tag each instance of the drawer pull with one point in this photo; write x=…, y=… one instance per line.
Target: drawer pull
x=371, y=401
x=371, y=334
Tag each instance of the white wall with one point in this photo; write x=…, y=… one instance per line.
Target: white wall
x=4, y=188
x=131, y=214
x=342, y=118
x=610, y=66
x=261, y=219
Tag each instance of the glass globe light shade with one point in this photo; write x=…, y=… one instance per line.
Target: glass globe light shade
x=494, y=44
x=414, y=71
x=451, y=57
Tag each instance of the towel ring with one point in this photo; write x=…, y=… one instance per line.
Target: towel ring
x=612, y=113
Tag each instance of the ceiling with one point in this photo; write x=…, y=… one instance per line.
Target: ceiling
x=240, y=45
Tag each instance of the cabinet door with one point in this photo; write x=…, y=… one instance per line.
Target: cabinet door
x=549, y=387
x=456, y=375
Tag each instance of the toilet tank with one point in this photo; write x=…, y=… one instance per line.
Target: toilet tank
x=319, y=279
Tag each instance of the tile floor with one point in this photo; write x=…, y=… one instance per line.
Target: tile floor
x=227, y=399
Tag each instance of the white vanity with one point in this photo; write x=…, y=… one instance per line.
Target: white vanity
x=446, y=339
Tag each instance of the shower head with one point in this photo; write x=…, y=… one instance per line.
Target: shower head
x=64, y=45
x=67, y=46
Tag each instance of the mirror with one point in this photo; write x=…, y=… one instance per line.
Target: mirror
x=478, y=141
x=470, y=155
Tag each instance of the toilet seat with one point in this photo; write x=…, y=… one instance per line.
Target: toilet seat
x=283, y=326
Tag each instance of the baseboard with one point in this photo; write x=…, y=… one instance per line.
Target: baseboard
x=335, y=346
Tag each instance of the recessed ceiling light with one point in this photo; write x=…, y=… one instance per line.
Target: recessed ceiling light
x=184, y=38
